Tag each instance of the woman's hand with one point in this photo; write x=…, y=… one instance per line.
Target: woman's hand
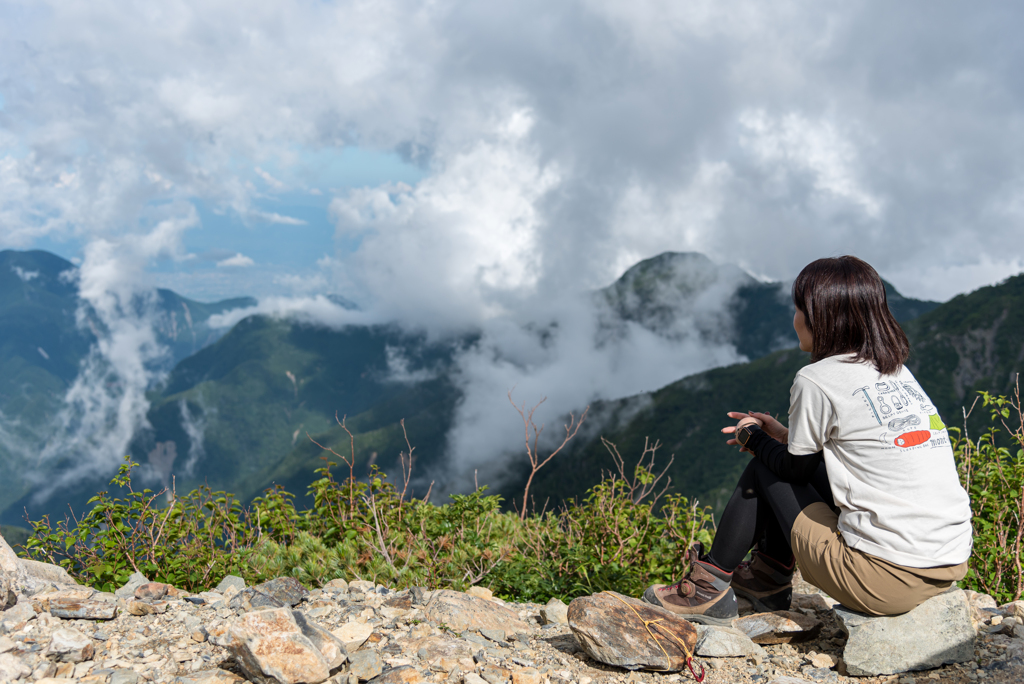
x=772, y=427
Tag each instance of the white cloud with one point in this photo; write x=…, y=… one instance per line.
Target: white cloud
x=237, y=261
x=24, y=275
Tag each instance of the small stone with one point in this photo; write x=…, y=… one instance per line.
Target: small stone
x=997, y=619
x=725, y=642
x=207, y=677
x=337, y=586
x=65, y=671
x=124, y=676
x=554, y=612
x=288, y=590
x=494, y=675
x=937, y=632
x=230, y=581
x=353, y=635
x=420, y=631
x=71, y=609
x=390, y=613
x=495, y=635
x=480, y=592
x=137, y=579
x=362, y=586
x=818, y=603
x=21, y=612
x=780, y=627
x=44, y=671
x=527, y=676
x=69, y=646
x=403, y=674
x=253, y=599
x=151, y=591
x=473, y=678
x=142, y=608
x=6, y=644
x=365, y=665
x=821, y=659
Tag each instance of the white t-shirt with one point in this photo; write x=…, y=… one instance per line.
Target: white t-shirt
x=889, y=461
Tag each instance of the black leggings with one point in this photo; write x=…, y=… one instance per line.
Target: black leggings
x=762, y=511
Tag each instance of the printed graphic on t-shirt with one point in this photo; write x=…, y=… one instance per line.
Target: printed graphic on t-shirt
x=901, y=409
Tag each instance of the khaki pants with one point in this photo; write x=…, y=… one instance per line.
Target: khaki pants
x=858, y=580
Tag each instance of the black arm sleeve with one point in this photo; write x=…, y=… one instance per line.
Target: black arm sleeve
x=774, y=454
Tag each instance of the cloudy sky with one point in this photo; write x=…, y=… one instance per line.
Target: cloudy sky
x=443, y=158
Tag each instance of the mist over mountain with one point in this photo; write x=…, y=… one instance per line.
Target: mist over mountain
x=241, y=383
x=973, y=342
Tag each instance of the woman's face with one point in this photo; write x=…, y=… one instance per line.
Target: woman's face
x=803, y=333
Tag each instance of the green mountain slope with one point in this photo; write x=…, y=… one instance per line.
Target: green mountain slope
x=973, y=342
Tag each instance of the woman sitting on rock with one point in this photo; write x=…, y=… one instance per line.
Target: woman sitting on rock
x=860, y=491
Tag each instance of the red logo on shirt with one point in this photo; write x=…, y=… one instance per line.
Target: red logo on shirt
x=909, y=439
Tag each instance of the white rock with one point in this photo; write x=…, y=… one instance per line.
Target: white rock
x=12, y=668
x=353, y=635
x=555, y=612
x=70, y=646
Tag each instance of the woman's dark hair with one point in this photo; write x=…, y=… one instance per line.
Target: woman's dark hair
x=843, y=301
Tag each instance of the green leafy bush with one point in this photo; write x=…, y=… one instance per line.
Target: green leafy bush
x=622, y=535
x=992, y=471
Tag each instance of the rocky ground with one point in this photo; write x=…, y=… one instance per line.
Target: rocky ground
x=348, y=632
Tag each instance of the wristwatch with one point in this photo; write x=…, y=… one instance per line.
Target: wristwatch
x=743, y=434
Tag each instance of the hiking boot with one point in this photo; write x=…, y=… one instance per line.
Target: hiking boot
x=765, y=582
x=703, y=596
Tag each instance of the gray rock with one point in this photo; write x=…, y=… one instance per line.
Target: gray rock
x=405, y=674
x=270, y=648
x=610, y=629
x=725, y=642
x=8, y=591
x=11, y=668
x=495, y=635
x=330, y=646
x=136, y=580
x=365, y=665
x=288, y=590
x=253, y=599
x=21, y=612
x=230, y=581
x=124, y=676
x=461, y=612
x=555, y=613
x=29, y=577
x=206, y=677
x=89, y=609
x=780, y=627
x=69, y=646
x=937, y=632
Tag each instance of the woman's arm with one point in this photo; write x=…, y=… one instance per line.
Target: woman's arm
x=794, y=468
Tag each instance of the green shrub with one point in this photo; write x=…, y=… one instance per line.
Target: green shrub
x=991, y=469
x=621, y=535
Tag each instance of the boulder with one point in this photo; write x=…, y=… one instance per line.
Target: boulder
x=725, y=642
x=144, y=608
x=555, y=612
x=271, y=647
x=288, y=590
x=151, y=591
x=937, y=632
x=463, y=612
x=780, y=627
x=21, y=575
x=610, y=629
x=69, y=646
x=337, y=586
